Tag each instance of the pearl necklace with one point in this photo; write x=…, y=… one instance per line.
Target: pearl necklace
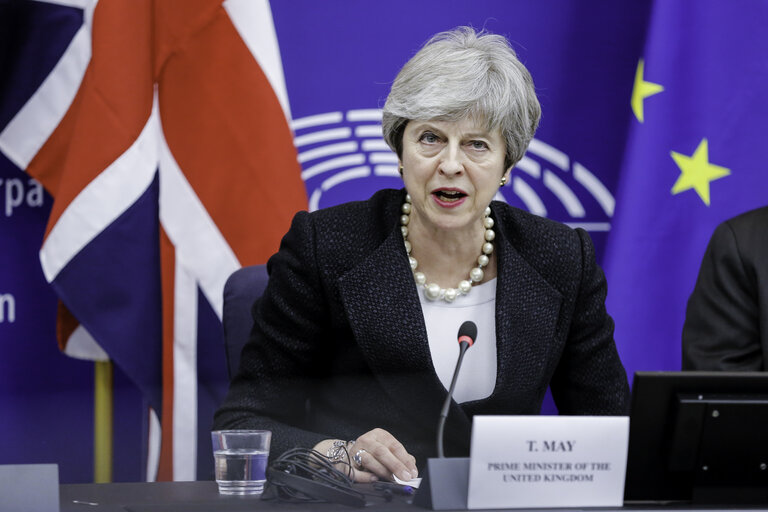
x=433, y=291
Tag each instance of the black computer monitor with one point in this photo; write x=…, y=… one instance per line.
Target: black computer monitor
x=699, y=437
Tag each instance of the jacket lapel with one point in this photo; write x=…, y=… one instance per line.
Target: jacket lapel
x=382, y=304
x=527, y=312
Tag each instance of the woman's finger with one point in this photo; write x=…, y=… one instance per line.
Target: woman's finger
x=382, y=454
x=402, y=455
x=367, y=462
x=364, y=477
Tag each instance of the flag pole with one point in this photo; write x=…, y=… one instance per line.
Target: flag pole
x=102, y=422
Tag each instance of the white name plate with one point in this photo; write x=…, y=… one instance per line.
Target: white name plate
x=548, y=461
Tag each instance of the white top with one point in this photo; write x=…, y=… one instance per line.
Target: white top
x=477, y=376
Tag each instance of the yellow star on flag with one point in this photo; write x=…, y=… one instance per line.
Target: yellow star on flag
x=642, y=90
x=697, y=172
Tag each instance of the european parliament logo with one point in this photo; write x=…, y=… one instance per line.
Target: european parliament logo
x=343, y=156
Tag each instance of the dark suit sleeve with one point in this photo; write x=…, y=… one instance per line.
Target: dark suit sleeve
x=285, y=353
x=721, y=320
x=590, y=378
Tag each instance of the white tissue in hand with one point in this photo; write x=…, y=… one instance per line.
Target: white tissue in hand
x=413, y=483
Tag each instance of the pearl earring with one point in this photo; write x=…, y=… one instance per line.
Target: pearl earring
x=503, y=181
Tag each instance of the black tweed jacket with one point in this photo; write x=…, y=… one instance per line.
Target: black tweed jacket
x=339, y=344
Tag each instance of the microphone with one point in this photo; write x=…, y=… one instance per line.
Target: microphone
x=466, y=337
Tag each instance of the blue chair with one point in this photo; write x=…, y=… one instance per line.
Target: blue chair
x=241, y=290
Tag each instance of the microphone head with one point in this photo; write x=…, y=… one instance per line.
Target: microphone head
x=468, y=332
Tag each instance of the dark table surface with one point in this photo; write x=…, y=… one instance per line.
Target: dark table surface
x=189, y=496
x=203, y=496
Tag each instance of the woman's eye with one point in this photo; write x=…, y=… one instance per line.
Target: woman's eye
x=428, y=137
x=478, y=144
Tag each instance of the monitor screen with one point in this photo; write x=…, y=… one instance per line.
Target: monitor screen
x=698, y=437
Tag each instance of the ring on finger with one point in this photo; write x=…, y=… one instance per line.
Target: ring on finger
x=358, y=458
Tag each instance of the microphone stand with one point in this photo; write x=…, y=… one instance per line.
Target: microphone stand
x=445, y=481
x=463, y=346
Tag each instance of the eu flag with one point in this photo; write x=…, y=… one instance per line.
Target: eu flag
x=694, y=157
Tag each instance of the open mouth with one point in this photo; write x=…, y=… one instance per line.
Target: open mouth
x=449, y=196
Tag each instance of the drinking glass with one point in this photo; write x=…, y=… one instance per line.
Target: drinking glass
x=240, y=460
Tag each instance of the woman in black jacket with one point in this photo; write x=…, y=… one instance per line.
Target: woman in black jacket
x=354, y=341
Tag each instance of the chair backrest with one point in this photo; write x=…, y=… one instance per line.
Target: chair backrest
x=241, y=290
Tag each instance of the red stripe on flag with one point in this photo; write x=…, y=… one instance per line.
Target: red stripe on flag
x=176, y=21
x=226, y=129
x=110, y=108
x=167, y=267
x=66, y=323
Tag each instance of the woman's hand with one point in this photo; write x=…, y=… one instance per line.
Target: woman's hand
x=377, y=455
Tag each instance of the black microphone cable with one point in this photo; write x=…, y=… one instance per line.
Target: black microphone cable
x=303, y=475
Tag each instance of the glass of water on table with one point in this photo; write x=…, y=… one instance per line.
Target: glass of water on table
x=240, y=460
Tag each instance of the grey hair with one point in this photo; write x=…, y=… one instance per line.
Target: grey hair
x=459, y=74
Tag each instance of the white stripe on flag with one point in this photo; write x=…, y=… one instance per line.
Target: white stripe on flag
x=200, y=247
x=81, y=345
x=23, y=137
x=184, y=375
x=103, y=200
x=253, y=21
x=204, y=258
x=153, y=446
x=82, y=4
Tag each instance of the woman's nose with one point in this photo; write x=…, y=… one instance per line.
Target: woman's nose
x=451, y=162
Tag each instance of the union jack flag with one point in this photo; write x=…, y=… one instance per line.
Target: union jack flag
x=161, y=129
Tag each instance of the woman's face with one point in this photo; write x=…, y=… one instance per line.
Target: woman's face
x=452, y=170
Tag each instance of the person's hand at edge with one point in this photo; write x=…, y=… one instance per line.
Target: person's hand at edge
x=375, y=455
